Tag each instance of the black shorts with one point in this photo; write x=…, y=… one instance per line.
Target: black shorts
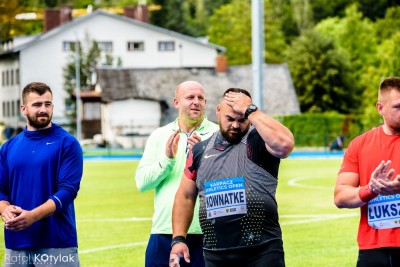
x=379, y=257
x=266, y=255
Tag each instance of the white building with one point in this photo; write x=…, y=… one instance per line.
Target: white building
x=136, y=101
x=138, y=45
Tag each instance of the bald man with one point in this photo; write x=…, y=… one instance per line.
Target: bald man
x=161, y=169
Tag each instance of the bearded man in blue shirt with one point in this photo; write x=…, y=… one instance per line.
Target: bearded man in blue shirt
x=40, y=174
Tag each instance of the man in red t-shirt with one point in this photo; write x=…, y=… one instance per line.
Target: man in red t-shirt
x=369, y=178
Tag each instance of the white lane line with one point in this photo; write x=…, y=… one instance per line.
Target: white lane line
x=315, y=218
x=92, y=250
x=332, y=216
x=296, y=183
x=134, y=219
x=308, y=219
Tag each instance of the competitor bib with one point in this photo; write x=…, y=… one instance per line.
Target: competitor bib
x=225, y=197
x=384, y=212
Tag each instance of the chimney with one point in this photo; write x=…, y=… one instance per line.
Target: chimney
x=65, y=14
x=221, y=63
x=51, y=19
x=140, y=12
x=55, y=17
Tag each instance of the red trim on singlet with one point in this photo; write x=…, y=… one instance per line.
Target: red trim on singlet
x=189, y=162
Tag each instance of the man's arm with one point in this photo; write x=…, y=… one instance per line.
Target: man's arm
x=153, y=168
x=25, y=218
x=348, y=194
x=7, y=211
x=346, y=191
x=278, y=139
x=69, y=175
x=182, y=212
x=182, y=215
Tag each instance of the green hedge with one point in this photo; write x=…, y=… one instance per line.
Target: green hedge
x=320, y=129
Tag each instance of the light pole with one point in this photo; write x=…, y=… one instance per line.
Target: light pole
x=257, y=33
x=78, y=93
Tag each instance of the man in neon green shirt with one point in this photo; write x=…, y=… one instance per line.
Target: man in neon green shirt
x=161, y=169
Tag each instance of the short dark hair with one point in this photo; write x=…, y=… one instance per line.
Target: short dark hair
x=390, y=83
x=35, y=87
x=237, y=90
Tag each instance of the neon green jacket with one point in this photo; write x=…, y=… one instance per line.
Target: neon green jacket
x=157, y=171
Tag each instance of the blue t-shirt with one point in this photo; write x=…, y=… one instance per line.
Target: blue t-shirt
x=36, y=166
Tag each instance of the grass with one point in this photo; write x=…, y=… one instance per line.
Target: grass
x=315, y=232
x=305, y=197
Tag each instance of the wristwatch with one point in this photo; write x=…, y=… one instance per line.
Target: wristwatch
x=250, y=109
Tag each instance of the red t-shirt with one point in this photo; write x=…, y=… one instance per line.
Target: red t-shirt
x=362, y=156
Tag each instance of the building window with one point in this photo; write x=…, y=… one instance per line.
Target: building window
x=92, y=111
x=135, y=46
x=18, y=107
x=7, y=77
x=8, y=110
x=166, y=46
x=12, y=77
x=17, y=76
x=4, y=109
x=68, y=46
x=12, y=108
x=3, y=79
x=106, y=46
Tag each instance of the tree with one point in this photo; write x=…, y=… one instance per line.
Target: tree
x=90, y=56
x=322, y=9
x=231, y=27
x=51, y=3
x=355, y=36
x=171, y=16
x=184, y=16
x=9, y=25
x=274, y=37
x=374, y=9
x=302, y=14
x=321, y=75
x=388, y=65
x=212, y=5
x=355, y=28
x=286, y=15
x=389, y=25
x=196, y=15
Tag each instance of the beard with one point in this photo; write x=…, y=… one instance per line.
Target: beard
x=38, y=122
x=233, y=137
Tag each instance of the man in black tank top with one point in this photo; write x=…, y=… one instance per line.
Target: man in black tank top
x=235, y=175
